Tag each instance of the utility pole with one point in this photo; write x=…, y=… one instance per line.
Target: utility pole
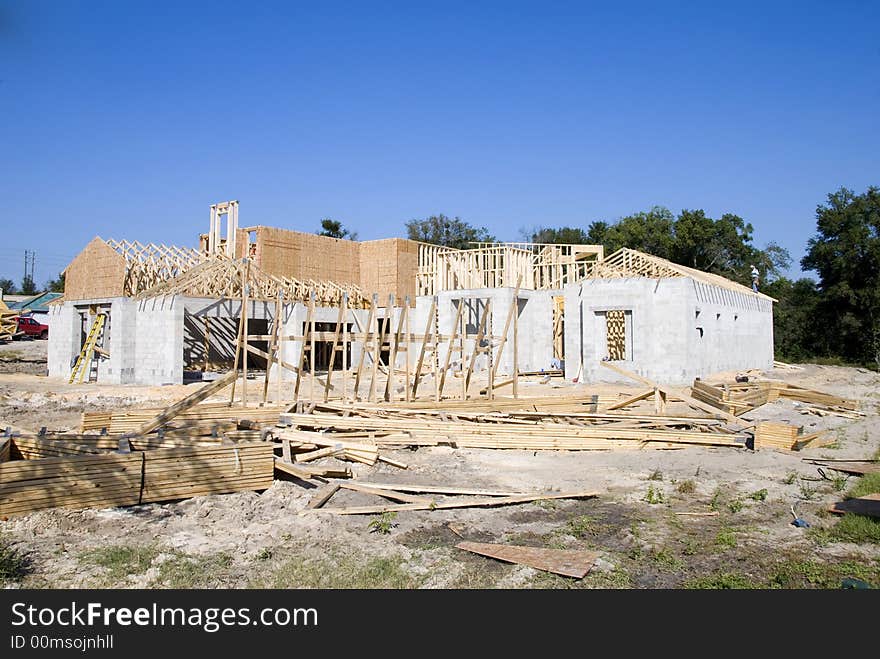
x=33, y=258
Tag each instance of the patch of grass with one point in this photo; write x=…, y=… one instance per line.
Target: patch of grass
x=547, y=504
x=687, y=487
x=691, y=547
x=735, y=506
x=839, y=482
x=859, y=529
x=867, y=484
x=189, y=571
x=759, y=495
x=121, y=561
x=806, y=490
x=667, y=561
x=721, y=581
x=656, y=475
x=618, y=578
x=265, y=554
x=653, y=496
x=810, y=573
x=13, y=564
x=715, y=501
x=790, y=478
x=583, y=526
x=383, y=523
x=726, y=538
x=341, y=572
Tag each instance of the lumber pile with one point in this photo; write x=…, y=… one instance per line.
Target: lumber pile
x=739, y=397
x=206, y=413
x=125, y=479
x=401, y=426
x=8, y=322
x=785, y=436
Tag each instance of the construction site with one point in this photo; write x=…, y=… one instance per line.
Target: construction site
x=273, y=408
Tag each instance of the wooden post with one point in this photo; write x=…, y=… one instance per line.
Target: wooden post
x=392, y=357
x=516, y=344
x=428, y=332
x=378, y=346
x=244, y=315
x=512, y=313
x=342, y=306
x=306, y=332
x=408, y=346
x=312, y=347
x=481, y=332
x=274, y=356
x=368, y=336
x=345, y=350
x=452, y=336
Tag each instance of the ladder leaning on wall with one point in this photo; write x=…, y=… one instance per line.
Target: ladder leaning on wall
x=86, y=355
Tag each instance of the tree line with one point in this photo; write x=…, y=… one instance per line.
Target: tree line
x=835, y=316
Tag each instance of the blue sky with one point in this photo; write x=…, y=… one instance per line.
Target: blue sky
x=128, y=119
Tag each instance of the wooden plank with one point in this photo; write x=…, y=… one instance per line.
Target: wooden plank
x=5, y=446
x=291, y=470
x=632, y=399
x=675, y=393
x=323, y=495
x=320, y=453
x=567, y=562
x=860, y=468
x=183, y=405
x=867, y=505
x=470, y=503
x=441, y=489
x=385, y=492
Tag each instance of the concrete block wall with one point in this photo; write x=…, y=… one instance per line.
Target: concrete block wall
x=663, y=340
x=63, y=345
x=159, y=341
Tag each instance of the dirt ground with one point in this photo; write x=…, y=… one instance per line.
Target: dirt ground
x=262, y=539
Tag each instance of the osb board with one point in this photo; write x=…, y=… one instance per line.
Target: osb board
x=97, y=271
x=286, y=253
x=388, y=267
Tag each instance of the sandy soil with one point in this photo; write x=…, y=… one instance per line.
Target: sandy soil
x=251, y=539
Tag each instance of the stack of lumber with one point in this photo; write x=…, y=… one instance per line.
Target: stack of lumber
x=8, y=322
x=399, y=426
x=784, y=436
x=739, y=397
x=180, y=473
x=124, y=479
x=202, y=417
x=71, y=482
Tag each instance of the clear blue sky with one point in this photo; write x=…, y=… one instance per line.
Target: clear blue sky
x=128, y=119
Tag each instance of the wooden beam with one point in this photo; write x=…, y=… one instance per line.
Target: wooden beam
x=447, y=505
x=183, y=405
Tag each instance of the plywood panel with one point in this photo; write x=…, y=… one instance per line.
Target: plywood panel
x=285, y=253
x=97, y=271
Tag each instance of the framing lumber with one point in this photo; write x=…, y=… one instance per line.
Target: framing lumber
x=185, y=404
x=567, y=562
x=448, y=505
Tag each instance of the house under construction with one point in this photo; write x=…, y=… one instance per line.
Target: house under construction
x=394, y=319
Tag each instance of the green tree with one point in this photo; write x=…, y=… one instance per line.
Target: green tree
x=7, y=286
x=795, y=335
x=441, y=230
x=28, y=287
x=650, y=232
x=56, y=285
x=334, y=229
x=558, y=236
x=846, y=254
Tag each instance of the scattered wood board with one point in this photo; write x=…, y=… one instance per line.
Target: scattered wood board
x=860, y=468
x=567, y=562
x=446, y=505
x=867, y=505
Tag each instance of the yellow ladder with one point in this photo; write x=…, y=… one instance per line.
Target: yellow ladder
x=83, y=362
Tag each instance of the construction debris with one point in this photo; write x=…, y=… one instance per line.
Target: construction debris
x=867, y=505
x=567, y=562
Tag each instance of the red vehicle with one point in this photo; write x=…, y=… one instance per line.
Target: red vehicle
x=32, y=328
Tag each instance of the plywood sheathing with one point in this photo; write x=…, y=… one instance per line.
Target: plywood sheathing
x=388, y=267
x=96, y=272
x=284, y=253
